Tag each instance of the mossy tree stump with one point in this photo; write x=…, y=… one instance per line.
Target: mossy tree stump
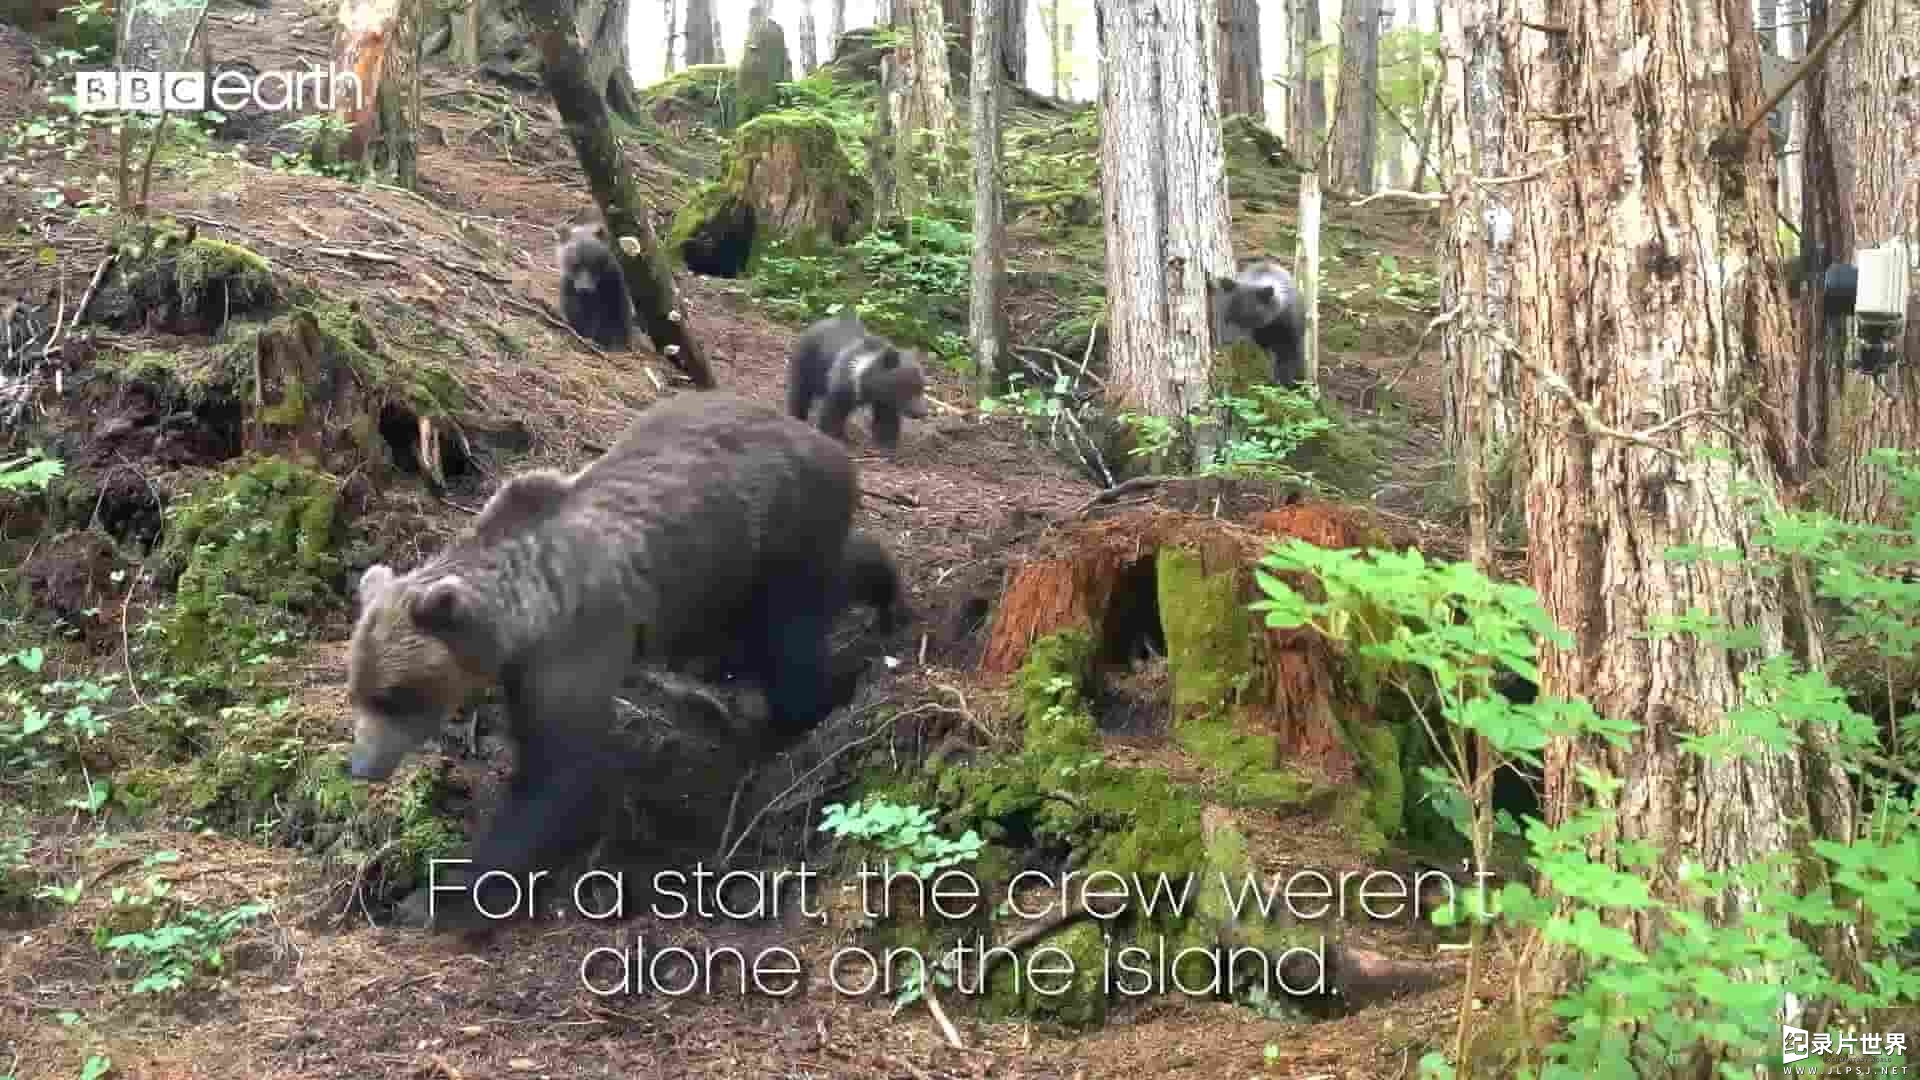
x=763, y=68
x=786, y=180
x=1274, y=713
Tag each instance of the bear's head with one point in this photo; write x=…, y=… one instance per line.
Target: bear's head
x=1241, y=308
x=896, y=378
x=420, y=649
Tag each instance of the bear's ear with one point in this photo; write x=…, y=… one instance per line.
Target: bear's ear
x=600, y=232
x=444, y=607
x=373, y=583
x=1263, y=293
x=1224, y=284
x=890, y=359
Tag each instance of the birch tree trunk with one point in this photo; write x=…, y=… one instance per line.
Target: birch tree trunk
x=703, y=34
x=986, y=315
x=1163, y=181
x=1645, y=284
x=1242, y=85
x=1790, y=43
x=1482, y=395
x=1356, y=106
x=1878, y=68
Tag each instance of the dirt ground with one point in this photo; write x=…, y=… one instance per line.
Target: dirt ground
x=339, y=997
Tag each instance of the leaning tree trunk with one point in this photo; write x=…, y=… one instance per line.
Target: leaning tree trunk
x=1879, y=118
x=1356, y=101
x=564, y=68
x=1163, y=182
x=703, y=42
x=1645, y=289
x=986, y=315
x=1242, y=91
x=1482, y=429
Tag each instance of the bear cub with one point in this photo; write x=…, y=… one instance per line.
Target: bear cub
x=593, y=290
x=715, y=527
x=838, y=360
x=1260, y=303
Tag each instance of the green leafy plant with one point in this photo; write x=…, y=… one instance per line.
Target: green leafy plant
x=905, y=836
x=31, y=471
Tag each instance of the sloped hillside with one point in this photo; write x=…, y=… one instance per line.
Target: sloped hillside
x=286, y=376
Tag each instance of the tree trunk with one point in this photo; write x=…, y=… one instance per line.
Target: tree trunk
x=495, y=34
x=1013, y=42
x=1356, y=105
x=1163, y=181
x=1056, y=48
x=923, y=109
x=958, y=16
x=1309, y=92
x=703, y=43
x=1876, y=67
x=1645, y=282
x=379, y=42
x=673, y=33
x=809, y=39
x=1477, y=281
x=564, y=69
x=719, y=47
x=1242, y=89
x=986, y=315
x=837, y=27
x=1790, y=44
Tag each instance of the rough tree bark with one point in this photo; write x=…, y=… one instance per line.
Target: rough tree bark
x=1482, y=429
x=1645, y=284
x=809, y=39
x=1872, y=108
x=378, y=41
x=1163, y=181
x=986, y=315
x=1242, y=89
x=1356, y=102
x=922, y=108
x=564, y=69
x=1013, y=41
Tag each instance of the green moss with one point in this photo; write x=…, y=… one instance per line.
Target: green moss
x=207, y=264
x=762, y=70
x=1372, y=811
x=1081, y=1000
x=705, y=91
x=812, y=136
x=1051, y=690
x=246, y=553
x=427, y=386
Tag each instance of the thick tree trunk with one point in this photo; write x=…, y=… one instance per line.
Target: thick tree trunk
x=986, y=316
x=1482, y=397
x=564, y=69
x=1356, y=103
x=493, y=35
x=809, y=39
x=1163, y=181
x=379, y=42
x=1242, y=85
x=922, y=107
x=1876, y=68
x=1645, y=285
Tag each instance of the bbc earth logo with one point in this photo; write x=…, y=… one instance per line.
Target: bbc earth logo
x=229, y=91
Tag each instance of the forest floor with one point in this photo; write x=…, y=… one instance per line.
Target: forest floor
x=473, y=253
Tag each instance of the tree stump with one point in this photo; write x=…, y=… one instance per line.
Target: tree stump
x=785, y=178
